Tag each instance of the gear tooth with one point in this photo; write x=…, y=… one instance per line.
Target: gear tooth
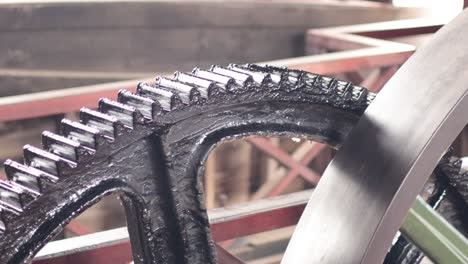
x=28, y=178
x=463, y=175
x=326, y=84
x=2, y=223
x=358, y=93
x=346, y=90
x=126, y=114
x=87, y=136
x=370, y=97
x=341, y=88
x=46, y=161
x=107, y=125
x=68, y=148
x=276, y=76
x=10, y=168
x=11, y=197
x=146, y=106
x=449, y=152
x=226, y=83
x=166, y=99
x=311, y=83
x=279, y=75
x=261, y=78
x=206, y=87
x=294, y=77
x=351, y=93
x=242, y=79
x=187, y=93
x=464, y=165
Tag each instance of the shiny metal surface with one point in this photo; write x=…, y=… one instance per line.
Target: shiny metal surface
x=369, y=187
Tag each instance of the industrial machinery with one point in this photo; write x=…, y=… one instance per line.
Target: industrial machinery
x=150, y=147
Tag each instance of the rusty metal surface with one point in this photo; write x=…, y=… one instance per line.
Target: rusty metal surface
x=364, y=195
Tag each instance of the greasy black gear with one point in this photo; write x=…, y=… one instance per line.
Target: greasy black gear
x=150, y=147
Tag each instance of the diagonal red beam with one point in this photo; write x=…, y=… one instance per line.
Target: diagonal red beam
x=383, y=78
x=294, y=172
x=282, y=157
x=77, y=228
x=224, y=257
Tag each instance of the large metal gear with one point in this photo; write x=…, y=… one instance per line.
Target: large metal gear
x=150, y=147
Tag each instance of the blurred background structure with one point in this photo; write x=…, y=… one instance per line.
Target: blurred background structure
x=56, y=56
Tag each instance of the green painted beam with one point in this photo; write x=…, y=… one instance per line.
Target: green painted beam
x=434, y=236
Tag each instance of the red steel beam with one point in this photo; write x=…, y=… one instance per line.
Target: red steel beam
x=77, y=228
x=349, y=61
x=294, y=172
x=253, y=224
x=59, y=101
x=284, y=158
x=360, y=46
x=118, y=253
x=365, y=52
x=122, y=254
x=224, y=257
x=371, y=35
x=248, y=224
x=385, y=75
